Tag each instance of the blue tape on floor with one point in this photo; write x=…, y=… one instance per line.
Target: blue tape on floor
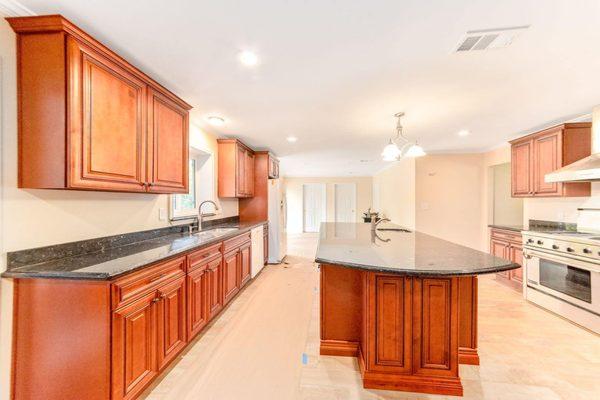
x=304, y=358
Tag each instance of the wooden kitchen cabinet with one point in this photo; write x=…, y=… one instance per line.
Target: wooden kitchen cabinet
x=171, y=327
x=215, y=287
x=117, y=335
x=507, y=244
x=535, y=155
x=245, y=264
x=134, y=362
x=168, y=148
x=236, y=169
x=89, y=120
x=231, y=275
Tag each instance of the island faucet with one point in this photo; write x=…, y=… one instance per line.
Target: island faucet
x=201, y=216
x=374, y=223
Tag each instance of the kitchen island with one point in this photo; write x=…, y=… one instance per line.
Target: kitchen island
x=404, y=303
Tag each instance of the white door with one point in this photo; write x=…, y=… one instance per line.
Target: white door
x=345, y=202
x=313, y=197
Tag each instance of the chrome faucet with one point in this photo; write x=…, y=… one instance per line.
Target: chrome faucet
x=201, y=216
x=375, y=224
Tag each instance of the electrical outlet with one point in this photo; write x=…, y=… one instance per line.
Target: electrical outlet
x=162, y=214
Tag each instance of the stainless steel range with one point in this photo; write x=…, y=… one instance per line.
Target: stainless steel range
x=562, y=271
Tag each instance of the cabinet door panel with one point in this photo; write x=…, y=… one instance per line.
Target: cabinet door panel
x=171, y=321
x=500, y=249
x=392, y=346
x=249, y=172
x=522, y=174
x=245, y=264
x=198, y=299
x=168, y=151
x=547, y=154
x=215, y=287
x=107, y=126
x=516, y=255
x=134, y=347
x=241, y=172
x=231, y=265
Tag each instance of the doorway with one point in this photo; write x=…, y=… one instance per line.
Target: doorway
x=314, y=200
x=345, y=202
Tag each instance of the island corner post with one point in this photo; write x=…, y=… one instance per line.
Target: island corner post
x=409, y=332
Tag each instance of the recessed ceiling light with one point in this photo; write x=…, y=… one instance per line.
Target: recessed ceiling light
x=463, y=133
x=248, y=58
x=216, y=121
x=292, y=139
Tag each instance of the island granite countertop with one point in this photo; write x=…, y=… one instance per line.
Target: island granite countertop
x=354, y=245
x=116, y=261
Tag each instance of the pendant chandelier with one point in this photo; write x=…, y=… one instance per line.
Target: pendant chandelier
x=391, y=152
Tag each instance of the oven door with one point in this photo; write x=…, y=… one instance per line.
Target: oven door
x=572, y=280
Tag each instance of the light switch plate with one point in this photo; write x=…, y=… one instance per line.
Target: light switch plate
x=162, y=214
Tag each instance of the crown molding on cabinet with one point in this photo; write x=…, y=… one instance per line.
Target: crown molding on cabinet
x=11, y=8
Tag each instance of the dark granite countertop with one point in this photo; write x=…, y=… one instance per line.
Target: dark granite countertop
x=113, y=262
x=354, y=245
x=516, y=228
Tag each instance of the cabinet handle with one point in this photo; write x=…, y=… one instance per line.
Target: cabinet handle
x=156, y=300
x=150, y=184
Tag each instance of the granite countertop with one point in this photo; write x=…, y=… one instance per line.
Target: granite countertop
x=113, y=262
x=516, y=228
x=354, y=245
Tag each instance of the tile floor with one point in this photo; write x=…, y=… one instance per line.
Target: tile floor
x=265, y=345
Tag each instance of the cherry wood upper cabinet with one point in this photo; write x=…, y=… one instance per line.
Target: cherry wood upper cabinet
x=236, y=169
x=168, y=147
x=538, y=154
x=89, y=120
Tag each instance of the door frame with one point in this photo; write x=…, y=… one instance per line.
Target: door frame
x=335, y=185
x=324, y=203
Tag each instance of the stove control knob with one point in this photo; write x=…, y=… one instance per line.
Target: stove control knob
x=540, y=242
x=570, y=249
x=530, y=240
x=587, y=251
x=555, y=247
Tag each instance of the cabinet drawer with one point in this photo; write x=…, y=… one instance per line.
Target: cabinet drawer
x=200, y=258
x=235, y=242
x=506, y=235
x=132, y=287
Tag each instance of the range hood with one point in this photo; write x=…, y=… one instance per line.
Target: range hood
x=587, y=169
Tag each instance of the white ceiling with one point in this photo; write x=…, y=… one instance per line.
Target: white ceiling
x=333, y=73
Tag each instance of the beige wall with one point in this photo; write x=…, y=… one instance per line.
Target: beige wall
x=293, y=193
x=507, y=210
x=394, y=187
x=32, y=218
x=449, y=197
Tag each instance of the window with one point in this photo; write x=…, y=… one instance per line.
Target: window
x=201, y=184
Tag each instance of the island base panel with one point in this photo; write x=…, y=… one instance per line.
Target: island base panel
x=406, y=328
x=467, y=320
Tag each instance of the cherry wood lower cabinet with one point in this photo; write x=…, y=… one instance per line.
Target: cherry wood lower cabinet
x=508, y=244
x=117, y=335
x=404, y=330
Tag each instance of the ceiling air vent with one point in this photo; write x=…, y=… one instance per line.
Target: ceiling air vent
x=485, y=39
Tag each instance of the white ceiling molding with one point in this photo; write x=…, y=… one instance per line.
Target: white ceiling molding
x=11, y=8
